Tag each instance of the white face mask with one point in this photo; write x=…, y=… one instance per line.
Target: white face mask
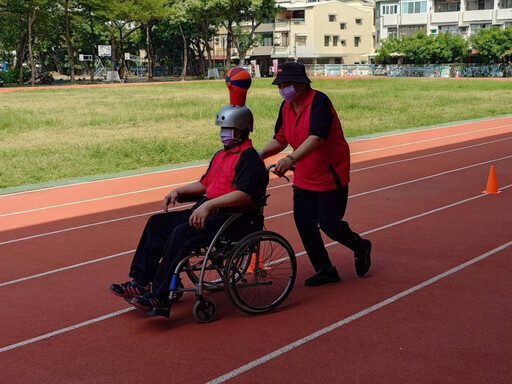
x=288, y=93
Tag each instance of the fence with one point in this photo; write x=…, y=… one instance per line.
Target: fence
x=407, y=70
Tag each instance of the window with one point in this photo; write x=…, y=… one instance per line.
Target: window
x=343, y=25
x=327, y=40
x=449, y=28
x=332, y=18
x=335, y=41
x=409, y=30
x=359, y=21
x=301, y=40
x=343, y=43
x=389, y=9
x=299, y=15
x=392, y=32
x=357, y=41
x=505, y=4
x=284, y=39
x=414, y=6
x=474, y=28
x=473, y=5
x=447, y=6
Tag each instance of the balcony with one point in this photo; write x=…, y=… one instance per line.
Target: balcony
x=282, y=25
x=389, y=20
x=445, y=17
x=482, y=15
x=414, y=19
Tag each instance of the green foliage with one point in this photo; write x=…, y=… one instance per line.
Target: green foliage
x=492, y=43
x=419, y=49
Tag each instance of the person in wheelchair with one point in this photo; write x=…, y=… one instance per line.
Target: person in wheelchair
x=235, y=178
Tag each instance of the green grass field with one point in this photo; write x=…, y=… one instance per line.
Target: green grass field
x=58, y=134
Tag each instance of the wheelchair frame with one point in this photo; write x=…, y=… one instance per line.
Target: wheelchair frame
x=242, y=266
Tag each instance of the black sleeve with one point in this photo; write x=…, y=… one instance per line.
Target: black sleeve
x=320, y=118
x=279, y=122
x=251, y=176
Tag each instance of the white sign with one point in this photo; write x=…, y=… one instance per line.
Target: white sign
x=104, y=50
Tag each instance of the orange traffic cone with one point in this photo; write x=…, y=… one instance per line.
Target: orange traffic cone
x=252, y=266
x=492, y=184
x=457, y=75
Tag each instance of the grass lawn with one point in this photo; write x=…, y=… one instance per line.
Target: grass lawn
x=56, y=134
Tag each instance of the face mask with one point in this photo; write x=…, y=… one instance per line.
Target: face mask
x=227, y=136
x=288, y=93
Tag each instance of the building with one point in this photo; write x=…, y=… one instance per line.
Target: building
x=324, y=32
x=314, y=32
x=464, y=17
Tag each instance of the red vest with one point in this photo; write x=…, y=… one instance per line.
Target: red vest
x=328, y=162
x=219, y=179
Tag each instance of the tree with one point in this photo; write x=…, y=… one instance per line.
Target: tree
x=233, y=14
x=492, y=43
x=147, y=13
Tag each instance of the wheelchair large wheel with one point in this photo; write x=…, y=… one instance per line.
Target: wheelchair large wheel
x=212, y=274
x=260, y=272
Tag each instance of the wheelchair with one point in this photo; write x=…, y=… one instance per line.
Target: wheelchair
x=254, y=266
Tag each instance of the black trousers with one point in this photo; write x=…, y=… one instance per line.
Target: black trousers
x=323, y=210
x=166, y=240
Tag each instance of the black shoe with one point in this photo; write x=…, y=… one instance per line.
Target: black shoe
x=129, y=290
x=152, y=304
x=362, y=259
x=323, y=277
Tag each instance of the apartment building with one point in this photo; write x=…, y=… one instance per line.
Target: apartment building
x=464, y=17
x=314, y=32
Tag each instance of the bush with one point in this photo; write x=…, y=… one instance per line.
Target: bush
x=10, y=77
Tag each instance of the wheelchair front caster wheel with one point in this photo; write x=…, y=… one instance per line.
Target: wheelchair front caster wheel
x=204, y=311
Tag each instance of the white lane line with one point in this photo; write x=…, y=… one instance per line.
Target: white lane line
x=287, y=348
x=431, y=176
x=67, y=329
x=429, y=155
x=54, y=333
x=202, y=165
x=104, y=222
x=187, y=182
x=278, y=186
x=94, y=199
x=432, y=139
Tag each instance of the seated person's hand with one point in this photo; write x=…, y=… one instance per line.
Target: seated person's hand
x=170, y=199
x=198, y=217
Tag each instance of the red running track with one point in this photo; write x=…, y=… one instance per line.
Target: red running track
x=435, y=306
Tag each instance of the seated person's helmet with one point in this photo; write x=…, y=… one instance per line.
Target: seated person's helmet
x=235, y=116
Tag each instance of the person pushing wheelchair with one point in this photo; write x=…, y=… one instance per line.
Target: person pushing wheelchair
x=236, y=177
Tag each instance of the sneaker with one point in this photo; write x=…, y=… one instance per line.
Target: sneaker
x=129, y=290
x=323, y=277
x=362, y=259
x=153, y=304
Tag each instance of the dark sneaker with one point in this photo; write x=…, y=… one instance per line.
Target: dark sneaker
x=129, y=290
x=362, y=259
x=323, y=277
x=152, y=304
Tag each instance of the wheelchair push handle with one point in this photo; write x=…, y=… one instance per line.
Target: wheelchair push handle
x=272, y=166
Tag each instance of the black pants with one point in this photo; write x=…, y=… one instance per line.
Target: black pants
x=166, y=240
x=323, y=210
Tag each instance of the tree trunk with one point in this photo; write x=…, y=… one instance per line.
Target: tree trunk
x=229, y=44
x=20, y=55
x=31, y=18
x=184, y=70
x=68, y=42
x=93, y=48
x=113, y=46
x=204, y=27
x=149, y=48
